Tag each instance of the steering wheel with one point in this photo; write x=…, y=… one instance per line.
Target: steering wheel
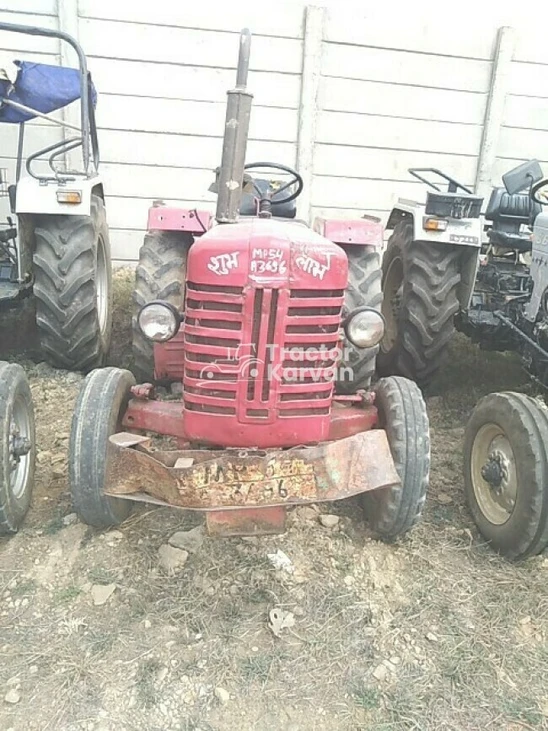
x=536, y=187
x=295, y=180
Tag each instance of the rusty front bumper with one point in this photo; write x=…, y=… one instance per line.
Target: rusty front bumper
x=234, y=478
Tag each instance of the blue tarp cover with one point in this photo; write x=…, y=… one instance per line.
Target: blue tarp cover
x=42, y=87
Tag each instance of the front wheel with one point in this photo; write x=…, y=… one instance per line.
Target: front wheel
x=98, y=414
x=393, y=511
x=17, y=447
x=506, y=473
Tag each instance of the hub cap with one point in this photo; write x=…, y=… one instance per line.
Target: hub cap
x=19, y=447
x=493, y=472
x=391, y=304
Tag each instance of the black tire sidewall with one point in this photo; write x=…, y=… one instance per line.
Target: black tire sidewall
x=99, y=408
x=393, y=511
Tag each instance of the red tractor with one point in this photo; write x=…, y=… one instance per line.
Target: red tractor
x=272, y=328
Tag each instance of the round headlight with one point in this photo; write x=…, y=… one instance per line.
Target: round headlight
x=159, y=321
x=364, y=327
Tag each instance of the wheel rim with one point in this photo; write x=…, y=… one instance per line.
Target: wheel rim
x=391, y=303
x=493, y=474
x=102, y=285
x=20, y=446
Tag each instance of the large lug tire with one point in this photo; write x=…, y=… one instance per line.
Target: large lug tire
x=364, y=289
x=160, y=275
x=391, y=512
x=73, y=288
x=17, y=447
x=420, y=299
x=98, y=412
x=506, y=473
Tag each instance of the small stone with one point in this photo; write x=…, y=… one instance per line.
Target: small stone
x=380, y=672
x=328, y=520
x=431, y=637
x=70, y=519
x=33, y=669
x=223, y=696
x=171, y=559
x=349, y=580
x=395, y=660
x=162, y=674
x=12, y=696
x=115, y=535
x=147, y=624
x=188, y=540
x=101, y=593
x=444, y=499
x=307, y=512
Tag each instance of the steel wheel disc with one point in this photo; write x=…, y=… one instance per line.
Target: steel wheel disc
x=491, y=445
x=20, y=428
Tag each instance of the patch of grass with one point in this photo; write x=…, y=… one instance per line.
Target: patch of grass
x=67, y=594
x=145, y=682
x=257, y=668
x=54, y=526
x=100, y=575
x=365, y=697
x=23, y=588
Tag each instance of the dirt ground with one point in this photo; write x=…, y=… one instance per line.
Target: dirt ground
x=433, y=633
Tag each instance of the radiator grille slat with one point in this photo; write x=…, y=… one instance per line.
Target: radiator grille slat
x=236, y=344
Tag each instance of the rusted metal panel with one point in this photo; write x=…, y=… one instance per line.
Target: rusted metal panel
x=219, y=479
x=246, y=521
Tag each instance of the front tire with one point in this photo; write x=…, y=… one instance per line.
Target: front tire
x=73, y=288
x=393, y=511
x=160, y=275
x=506, y=473
x=364, y=289
x=98, y=413
x=17, y=447
x=420, y=285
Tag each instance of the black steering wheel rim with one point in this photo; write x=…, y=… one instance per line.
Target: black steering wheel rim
x=538, y=186
x=297, y=179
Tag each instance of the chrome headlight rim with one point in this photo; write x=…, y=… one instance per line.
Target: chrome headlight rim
x=177, y=319
x=357, y=311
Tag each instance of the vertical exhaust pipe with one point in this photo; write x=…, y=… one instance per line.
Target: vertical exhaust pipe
x=238, y=112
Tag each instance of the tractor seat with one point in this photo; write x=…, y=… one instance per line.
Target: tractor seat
x=508, y=213
x=248, y=206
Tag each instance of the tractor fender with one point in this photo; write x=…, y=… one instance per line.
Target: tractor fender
x=464, y=233
x=41, y=197
x=365, y=231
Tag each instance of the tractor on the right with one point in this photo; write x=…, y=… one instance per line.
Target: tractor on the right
x=447, y=268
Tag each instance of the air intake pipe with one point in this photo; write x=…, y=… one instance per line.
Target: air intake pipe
x=238, y=112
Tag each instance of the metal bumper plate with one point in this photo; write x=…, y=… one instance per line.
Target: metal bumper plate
x=234, y=478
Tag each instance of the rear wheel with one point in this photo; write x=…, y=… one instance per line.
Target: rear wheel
x=73, y=288
x=364, y=289
x=420, y=283
x=98, y=414
x=506, y=473
x=393, y=511
x=160, y=275
x=17, y=447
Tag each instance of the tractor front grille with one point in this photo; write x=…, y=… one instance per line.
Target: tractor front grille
x=260, y=353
